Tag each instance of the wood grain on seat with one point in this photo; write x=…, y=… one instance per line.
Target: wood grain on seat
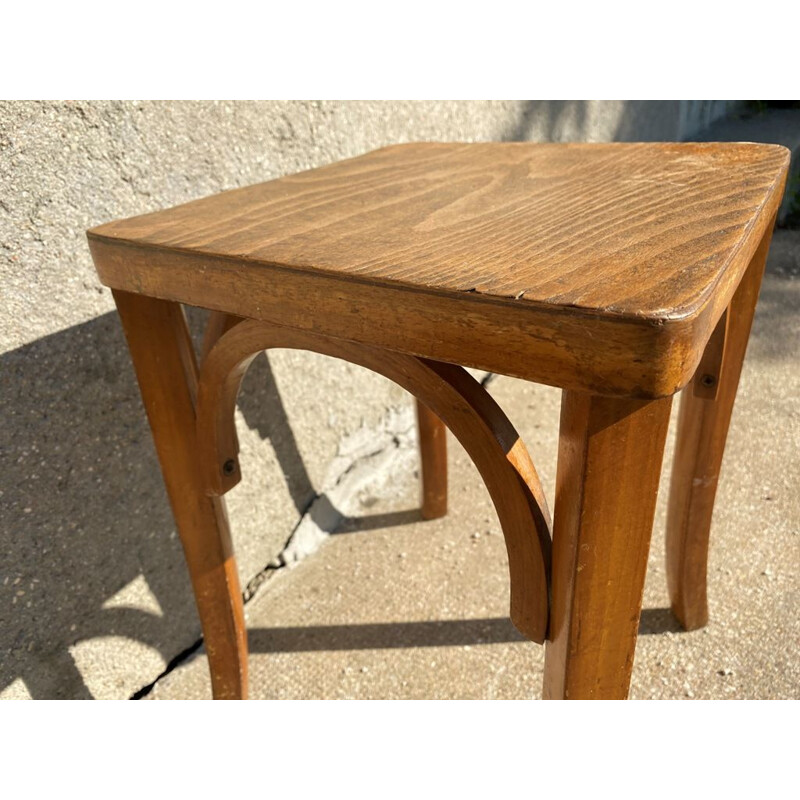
x=642, y=245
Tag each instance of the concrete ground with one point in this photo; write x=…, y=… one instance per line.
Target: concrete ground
x=394, y=607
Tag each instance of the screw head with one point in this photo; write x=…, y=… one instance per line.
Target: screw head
x=229, y=467
x=708, y=380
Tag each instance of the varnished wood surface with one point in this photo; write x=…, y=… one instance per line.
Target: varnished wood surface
x=450, y=393
x=702, y=431
x=609, y=463
x=600, y=268
x=163, y=357
x=645, y=230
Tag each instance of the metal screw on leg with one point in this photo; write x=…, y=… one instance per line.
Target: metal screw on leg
x=229, y=467
x=708, y=380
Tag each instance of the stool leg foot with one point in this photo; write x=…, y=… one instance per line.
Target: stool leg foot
x=702, y=430
x=433, y=460
x=609, y=462
x=164, y=360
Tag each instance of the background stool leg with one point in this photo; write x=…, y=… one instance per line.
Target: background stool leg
x=433, y=458
x=165, y=365
x=609, y=462
x=702, y=431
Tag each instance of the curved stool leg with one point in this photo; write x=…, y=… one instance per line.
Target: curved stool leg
x=165, y=365
x=702, y=430
x=450, y=393
x=433, y=462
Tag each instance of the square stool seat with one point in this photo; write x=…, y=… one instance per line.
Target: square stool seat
x=515, y=258
x=621, y=273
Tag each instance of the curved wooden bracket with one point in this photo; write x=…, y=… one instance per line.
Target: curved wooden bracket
x=450, y=392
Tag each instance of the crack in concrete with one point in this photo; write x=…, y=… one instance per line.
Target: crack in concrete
x=366, y=461
x=179, y=659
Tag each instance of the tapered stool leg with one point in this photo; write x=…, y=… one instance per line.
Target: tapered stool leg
x=702, y=430
x=165, y=365
x=609, y=462
x=433, y=459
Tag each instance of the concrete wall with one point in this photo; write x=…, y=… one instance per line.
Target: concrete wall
x=94, y=600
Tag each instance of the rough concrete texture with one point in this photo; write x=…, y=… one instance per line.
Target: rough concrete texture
x=94, y=597
x=419, y=610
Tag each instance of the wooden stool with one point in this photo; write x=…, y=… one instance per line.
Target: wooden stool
x=620, y=273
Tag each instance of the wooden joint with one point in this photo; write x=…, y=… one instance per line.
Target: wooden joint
x=709, y=371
